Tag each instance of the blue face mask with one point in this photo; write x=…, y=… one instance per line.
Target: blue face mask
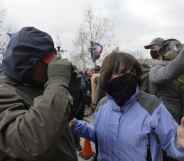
x=122, y=88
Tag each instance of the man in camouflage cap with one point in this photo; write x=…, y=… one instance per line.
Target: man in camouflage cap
x=155, y=46
x=165, y=75
x=162, y=83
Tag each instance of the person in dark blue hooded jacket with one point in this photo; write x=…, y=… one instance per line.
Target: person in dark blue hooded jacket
x=35, y=102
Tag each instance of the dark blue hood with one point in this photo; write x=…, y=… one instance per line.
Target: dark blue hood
x=25, y=49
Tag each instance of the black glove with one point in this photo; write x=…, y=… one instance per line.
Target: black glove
x=59, y=70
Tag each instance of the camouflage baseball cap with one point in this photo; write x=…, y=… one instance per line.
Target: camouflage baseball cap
x=157, y=41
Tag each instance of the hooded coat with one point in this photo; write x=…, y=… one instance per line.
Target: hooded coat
x=33, y=121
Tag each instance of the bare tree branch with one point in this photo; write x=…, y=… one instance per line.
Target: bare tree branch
x=92, y=29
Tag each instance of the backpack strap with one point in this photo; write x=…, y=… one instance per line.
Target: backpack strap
x=148, y=155
x=150, y=103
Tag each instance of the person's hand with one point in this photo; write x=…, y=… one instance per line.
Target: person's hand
x=180, y=134
x=60, y=70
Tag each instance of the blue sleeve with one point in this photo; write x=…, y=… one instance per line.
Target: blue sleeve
x=164, y=126
x=84, y=129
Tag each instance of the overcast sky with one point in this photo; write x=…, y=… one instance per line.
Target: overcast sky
x=136, y=22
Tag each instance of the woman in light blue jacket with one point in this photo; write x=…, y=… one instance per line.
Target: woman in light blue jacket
x=130, y=125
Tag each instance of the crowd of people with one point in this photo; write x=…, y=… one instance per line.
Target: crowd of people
x=137, y=104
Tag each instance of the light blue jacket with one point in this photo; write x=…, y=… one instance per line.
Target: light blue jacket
x=122, y=132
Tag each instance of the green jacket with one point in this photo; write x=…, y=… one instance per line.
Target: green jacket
x=34, y=125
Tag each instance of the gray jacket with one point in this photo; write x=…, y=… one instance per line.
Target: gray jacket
x=167, y=71
x=166, y=79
